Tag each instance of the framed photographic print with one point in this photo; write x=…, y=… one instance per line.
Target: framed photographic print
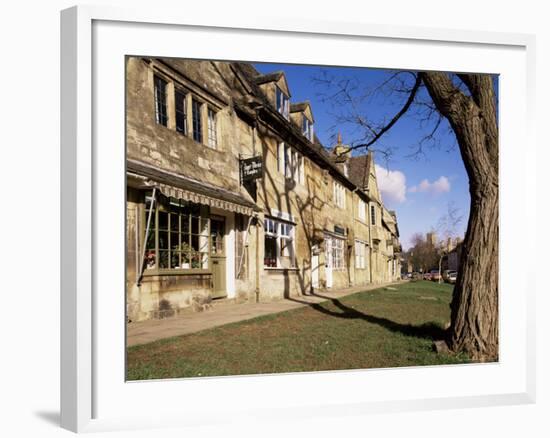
x=253, y=209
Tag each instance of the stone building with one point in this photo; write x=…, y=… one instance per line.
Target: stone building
x=198, y=228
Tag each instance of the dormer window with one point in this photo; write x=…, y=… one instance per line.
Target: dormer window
x=283, y=103
x=307, y=128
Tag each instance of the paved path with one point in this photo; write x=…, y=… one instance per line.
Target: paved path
x=144, y=332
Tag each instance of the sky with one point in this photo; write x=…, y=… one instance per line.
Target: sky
x=419, y=189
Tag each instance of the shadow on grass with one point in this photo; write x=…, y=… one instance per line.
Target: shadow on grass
x=429, y=330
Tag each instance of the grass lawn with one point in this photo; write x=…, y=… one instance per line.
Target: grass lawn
x=374, y=329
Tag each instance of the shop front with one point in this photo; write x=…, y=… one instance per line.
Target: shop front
x=182, y=251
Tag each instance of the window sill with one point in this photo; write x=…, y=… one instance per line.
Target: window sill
x=153, y=273
x=280, y=269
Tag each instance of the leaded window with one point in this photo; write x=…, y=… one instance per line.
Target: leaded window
x=197, y=121
x=181, y=111
x=161, y=111
x=212, y=129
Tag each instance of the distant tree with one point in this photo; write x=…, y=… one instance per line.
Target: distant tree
x=423, y=254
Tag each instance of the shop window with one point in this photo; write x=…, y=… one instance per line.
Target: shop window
x=178, y=236
x=161, y=111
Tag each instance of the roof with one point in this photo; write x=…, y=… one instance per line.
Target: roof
x=297, y=107
x=358, y=170
x=269, y=77
x=251, y=75
x=180, y=186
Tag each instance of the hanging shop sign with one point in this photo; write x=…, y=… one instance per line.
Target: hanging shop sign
x=251, y=168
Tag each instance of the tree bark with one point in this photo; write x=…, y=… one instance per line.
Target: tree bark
x=474, y=306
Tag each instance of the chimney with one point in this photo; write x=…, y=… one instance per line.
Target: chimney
x=341, y=151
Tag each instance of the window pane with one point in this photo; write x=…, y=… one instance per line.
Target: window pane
x=174, y=221
x=212, y=137
x=163, y=259
x=195, y=243
x=185, y=242
x=195, y=225
x=197, y=124
x=163, y=240
x=181, y=117
x=185, y=260
x=185, y=224
x=161, y=113
x=196, y=261
x=174, y=241
x=270, y=252
x=174, y=260
x=163, y=220
x=150, y=259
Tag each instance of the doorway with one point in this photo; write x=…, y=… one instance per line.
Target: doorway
x=218, y=256
x=314, y=268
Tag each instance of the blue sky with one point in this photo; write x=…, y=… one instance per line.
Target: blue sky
x=420, y=189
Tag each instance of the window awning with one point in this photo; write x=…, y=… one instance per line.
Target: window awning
x=145, y=176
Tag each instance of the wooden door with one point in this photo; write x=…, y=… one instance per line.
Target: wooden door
x=218, y=257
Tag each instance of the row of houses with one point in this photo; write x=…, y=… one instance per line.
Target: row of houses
x=231, y=195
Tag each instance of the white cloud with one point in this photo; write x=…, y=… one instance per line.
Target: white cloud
x=440, y=185
x=391, y=183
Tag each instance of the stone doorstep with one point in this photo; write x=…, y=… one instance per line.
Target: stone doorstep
x=218, y=303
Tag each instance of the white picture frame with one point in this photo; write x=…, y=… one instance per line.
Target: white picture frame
x=84, y=178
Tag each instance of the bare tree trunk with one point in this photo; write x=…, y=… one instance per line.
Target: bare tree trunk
x=474, y=307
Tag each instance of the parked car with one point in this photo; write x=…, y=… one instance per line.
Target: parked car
x=445, y=275
x=451, y=278
x=416, y=276
x=434, y=275
x=427, y=276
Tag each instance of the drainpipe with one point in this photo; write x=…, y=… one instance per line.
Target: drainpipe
x=257, y=288
x=257, y=260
